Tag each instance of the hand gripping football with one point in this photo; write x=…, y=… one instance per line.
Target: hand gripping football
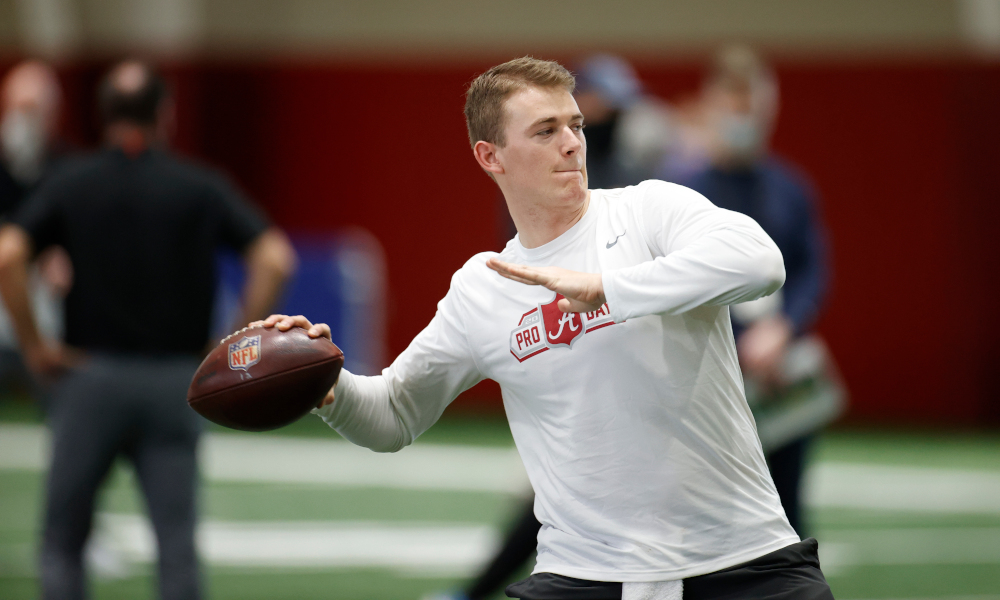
x=260, y=378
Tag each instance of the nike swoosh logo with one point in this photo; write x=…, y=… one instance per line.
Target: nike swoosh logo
x=610, y=244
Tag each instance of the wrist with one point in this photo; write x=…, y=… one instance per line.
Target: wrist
x=32, y=348
x=610, y=294
x=598, y=285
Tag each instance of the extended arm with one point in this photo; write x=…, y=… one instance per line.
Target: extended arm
x=703, y=255
x=388, y=411
x=15, y=256
x=270, y=262
x=733, y=261
x=807, y=263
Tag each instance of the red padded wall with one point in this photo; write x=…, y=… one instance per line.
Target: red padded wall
x=904, y=155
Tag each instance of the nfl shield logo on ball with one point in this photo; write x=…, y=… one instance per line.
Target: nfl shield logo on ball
x=244, y=353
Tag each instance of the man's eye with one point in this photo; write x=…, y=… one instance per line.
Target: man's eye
x=545, y=132
x=578, y=127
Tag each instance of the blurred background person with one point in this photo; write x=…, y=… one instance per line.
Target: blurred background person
x=787, y=374
x=628, y=130
x=30, y=99
x=630, y=133
x=30, y=148
x=141, y=227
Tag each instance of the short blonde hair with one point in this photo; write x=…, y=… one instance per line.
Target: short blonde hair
x=485, y=98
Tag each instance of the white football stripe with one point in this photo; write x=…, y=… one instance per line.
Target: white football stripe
x=276, y=459
x=439, y=547
x=336, y=462
x=921, y=546
x=332, y=461
x=903, y=488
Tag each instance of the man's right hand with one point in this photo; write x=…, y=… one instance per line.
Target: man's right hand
x=49, y=359
x=284, y=323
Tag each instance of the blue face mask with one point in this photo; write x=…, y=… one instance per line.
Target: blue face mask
x=740, y=134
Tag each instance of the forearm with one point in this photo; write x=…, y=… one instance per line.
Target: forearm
x=723, y=267
x=15, y=253
x=802, y=304
x=389, y=411
x=363, y=412
x=807, y=282
x=270, y=262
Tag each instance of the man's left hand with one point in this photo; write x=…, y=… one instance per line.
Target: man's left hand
x=584, y=292
x=50, y=359
x=762, y=348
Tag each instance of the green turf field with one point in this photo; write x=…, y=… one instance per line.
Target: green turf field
x=302, y=515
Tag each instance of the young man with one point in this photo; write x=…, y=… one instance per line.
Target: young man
x=606, y=323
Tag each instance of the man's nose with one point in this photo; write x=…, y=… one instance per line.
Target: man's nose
x=572, y=143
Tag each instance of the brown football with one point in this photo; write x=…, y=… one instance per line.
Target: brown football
x=259, y=379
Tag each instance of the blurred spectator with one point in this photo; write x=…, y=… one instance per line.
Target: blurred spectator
x=30, y=98
x=628, y=131
x=30, y=147
x=141, y=227
x=787, y=374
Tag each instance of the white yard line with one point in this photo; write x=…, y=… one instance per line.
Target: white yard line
x=337, y=462
x=275, y=459
x=122, y=541
x=841, y=549
x=903, y=488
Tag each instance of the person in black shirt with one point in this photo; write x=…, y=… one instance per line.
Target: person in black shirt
x=141, y=227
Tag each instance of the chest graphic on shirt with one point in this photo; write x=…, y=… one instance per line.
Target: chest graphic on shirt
x=545, y=327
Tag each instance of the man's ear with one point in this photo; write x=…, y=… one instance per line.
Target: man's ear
x=486, y=156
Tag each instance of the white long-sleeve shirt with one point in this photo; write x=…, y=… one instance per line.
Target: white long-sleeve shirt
x=631, y=420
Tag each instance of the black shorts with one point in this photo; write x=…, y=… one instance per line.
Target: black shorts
x=791, y=573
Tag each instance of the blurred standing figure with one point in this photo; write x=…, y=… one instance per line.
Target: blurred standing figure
x=30, y=98
x=141, y=227
x=628, y=131
x=740, y=95
x=630, y=134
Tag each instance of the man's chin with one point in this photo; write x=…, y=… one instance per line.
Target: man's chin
x=573, y=191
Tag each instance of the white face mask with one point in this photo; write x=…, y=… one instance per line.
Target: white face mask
x=22, y=144
x=740, y=134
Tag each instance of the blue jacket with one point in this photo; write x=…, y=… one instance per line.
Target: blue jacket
x=781, y=199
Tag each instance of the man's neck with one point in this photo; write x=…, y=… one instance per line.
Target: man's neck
x=538, y=223
x=132, y=139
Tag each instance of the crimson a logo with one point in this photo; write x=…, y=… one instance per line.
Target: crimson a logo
x=545, y=327
x=560, y=327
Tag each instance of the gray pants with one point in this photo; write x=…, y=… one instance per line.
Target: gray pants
x=136, y=408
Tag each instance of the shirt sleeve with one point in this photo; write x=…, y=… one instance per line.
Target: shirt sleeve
x=387, y=412
x=240, y=221
x=702, y=255
x=39, y=216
